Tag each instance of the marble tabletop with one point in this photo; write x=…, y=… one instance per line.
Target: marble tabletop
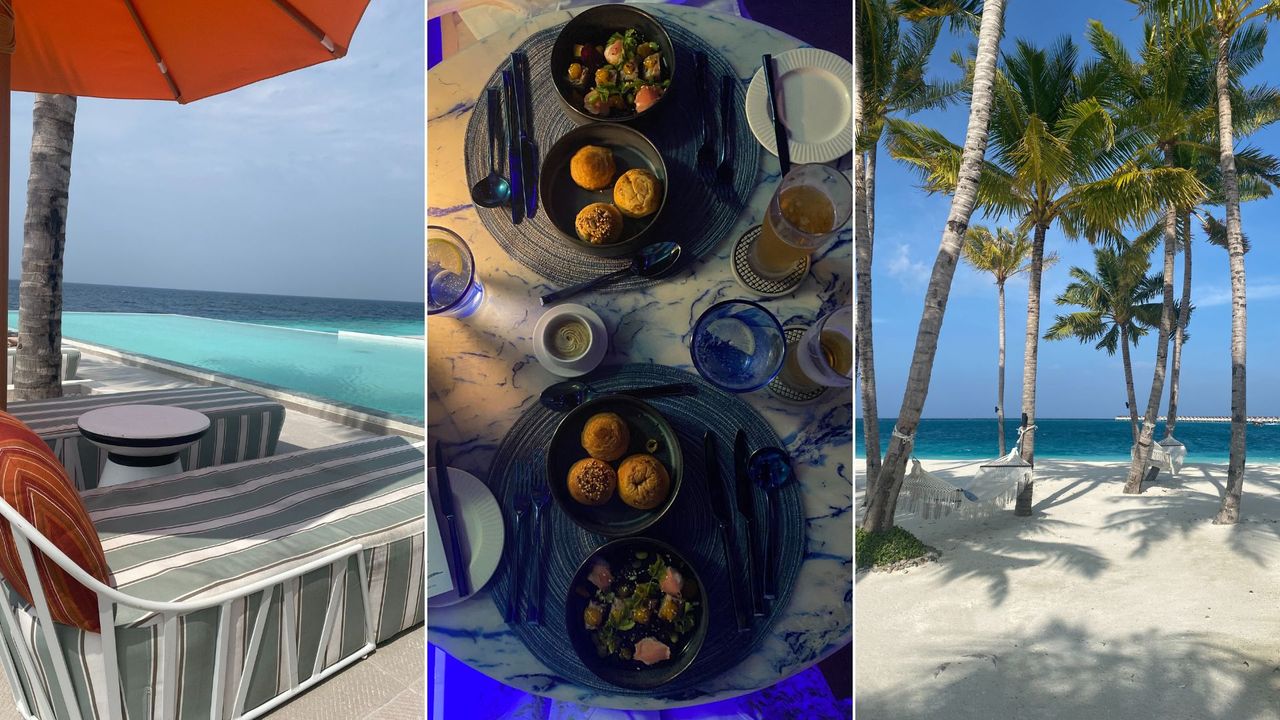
x=482, y=375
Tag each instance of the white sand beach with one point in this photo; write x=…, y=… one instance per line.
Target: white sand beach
x=1102, y=605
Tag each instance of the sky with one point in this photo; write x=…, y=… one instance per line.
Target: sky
x=310, y=183
x=1075, y=380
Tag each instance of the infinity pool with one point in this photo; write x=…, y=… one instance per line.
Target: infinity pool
x=382, y=374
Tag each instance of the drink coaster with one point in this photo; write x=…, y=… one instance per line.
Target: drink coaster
x=748, y=278
x=786, y=391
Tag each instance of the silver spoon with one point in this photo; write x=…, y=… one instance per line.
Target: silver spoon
x=652, y=261
x=492, y=190
x=770, y=468
x=565, y=396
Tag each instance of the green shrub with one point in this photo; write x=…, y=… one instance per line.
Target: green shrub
x=876, y=549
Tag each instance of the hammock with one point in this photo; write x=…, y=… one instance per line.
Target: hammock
x=996, y=485
x=1168, y=454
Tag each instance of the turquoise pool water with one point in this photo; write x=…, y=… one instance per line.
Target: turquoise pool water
x=379, y=374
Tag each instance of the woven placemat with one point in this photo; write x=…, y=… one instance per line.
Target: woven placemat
x=689, y=526
x=695, y=215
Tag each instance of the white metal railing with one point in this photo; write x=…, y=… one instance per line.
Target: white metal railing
x=25, y=536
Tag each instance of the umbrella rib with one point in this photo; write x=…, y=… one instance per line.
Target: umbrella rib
x=296, y=15
x=155, y=54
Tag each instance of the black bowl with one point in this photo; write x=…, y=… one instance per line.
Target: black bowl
x=615, y=518
x=563, y=199
x=632, y=674
x=593, y=26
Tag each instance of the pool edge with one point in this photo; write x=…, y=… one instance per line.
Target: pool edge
x=360, y=418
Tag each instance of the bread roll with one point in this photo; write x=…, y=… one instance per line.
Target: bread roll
x=637, y=193
x=592, y=167
x=599, y=224
x=606, y=436
x=592, y=481
x=643, y=482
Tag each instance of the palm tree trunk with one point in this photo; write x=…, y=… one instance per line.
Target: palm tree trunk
x=1029, y=353
x=1229, y=513
x=864, y=349
x=1142, y=450
x=1128, y=378
x=38, y=366
x=1000, y=369
x=880, y=508
x=1176, y=371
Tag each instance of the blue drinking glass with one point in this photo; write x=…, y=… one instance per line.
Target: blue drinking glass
x=453, y=290
x=738, y=346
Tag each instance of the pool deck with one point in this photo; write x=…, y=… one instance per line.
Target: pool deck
x=388, y=685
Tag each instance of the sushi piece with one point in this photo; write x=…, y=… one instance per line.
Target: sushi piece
x=647, y=96
x=650, y=651
x=577, y=75
x=670, y=608
x=614, y=52
x=593, y=616
x=672, y=582
x=601, y=576
x=596, y=103
x=653, y=68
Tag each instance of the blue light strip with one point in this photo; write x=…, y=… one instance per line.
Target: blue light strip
x=457, y=692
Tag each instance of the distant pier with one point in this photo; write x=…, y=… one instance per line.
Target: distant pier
x=1260, y=420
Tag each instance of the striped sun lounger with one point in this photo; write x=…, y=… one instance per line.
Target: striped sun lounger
x=243, y=426
x=201, y=533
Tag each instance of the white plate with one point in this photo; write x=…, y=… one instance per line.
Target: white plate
x=480, y=533
x=584, y=364
x=817, y=105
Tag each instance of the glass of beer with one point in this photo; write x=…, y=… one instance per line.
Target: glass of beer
x=811, y=203
x=824, y=355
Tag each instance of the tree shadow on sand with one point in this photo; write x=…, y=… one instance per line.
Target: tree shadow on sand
x=1178, y=507
x=1064, y=671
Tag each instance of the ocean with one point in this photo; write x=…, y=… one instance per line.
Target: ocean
x=1073, y=439
x=307, y=313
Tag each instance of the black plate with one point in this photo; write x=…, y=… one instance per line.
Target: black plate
x=593, y=26
x=615, y=518
x=563, y=198
x=631, y=674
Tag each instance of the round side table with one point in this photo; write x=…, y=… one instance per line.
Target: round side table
x=142, y=441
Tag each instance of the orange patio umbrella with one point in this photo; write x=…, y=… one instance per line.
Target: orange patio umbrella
x=179, y=50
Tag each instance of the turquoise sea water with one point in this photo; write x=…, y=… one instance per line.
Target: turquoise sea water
x=1074, y=439
x=379, y=373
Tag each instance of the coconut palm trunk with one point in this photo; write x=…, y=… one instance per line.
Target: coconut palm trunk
x=1000, y=369
x=1229, y=513
x=38, y=367
x=864, y=351
x=1142, y=450
x=1030, y=351
x=1128, y=379
x=883, y=502
x=1175, y=372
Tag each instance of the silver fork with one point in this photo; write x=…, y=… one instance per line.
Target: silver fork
x=541, y=498
x=517, y=570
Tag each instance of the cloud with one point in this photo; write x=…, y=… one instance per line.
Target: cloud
x=908, y=272
x=1221, y=295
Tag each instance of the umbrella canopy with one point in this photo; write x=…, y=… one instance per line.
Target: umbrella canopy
x=172, y=49
x=180, y=50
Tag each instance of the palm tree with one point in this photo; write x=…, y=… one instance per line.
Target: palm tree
x=1003, y=255
x=1166, y=100
x=1226, y=18
x=38, y=366
x=1059, y=158
x=1118, y=307
x=883, y=500
x=890, y=81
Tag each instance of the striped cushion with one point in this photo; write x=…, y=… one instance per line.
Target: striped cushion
x=34, y=483
x=242, y=426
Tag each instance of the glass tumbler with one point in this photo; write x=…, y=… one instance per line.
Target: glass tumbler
x=453, y=290
x=738, y=346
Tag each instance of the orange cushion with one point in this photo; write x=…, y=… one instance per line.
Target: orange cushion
x=34, y=483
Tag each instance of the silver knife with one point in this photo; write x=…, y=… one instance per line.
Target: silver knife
x=457, y=564
x=528, y=149
x=746, y=508
x=514, y=163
